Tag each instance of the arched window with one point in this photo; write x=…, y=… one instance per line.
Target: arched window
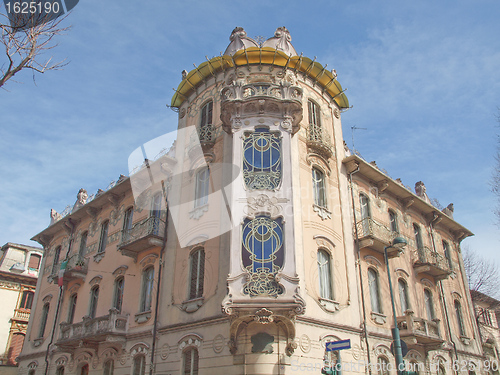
x=318, y=179
x=84, y=370
x=383, y=366
x=201, y=188
x=190, y=359
x=147, y=289
x=325, y=275
x=429, y=304
x=393, y=221
x=104, y=237
x=72, y=307
x=314, y=115
x=418, y=236
x=128, y=218
x=60, y=370
x=26, y=300
x=262, y=255
x=262, y=160
x=374, y=290
x=139, y=365
x=43, y=319
x=403, y=296
x=197, y=274
x=57, y=254
x=83, y=245
x=206, y=129
x=118, y=293
x=34, y=262
x=94, y=297
x=109, y=367
x=460, y=319
x=447, y=254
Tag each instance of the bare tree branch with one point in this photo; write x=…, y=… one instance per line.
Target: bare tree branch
x=26, y=42
x=483, y=275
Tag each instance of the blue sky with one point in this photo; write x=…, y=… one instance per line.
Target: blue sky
x=423, y=79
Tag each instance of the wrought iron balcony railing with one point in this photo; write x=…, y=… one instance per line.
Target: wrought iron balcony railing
x=376, y=236
x=430, y=262
x=93, y=330
x=143, y=235
x=319, y=141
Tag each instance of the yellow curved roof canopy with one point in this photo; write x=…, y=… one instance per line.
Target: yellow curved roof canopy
x=267, y=56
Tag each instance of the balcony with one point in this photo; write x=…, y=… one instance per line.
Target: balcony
x=76, y=268
x=419, y=331
x=376, y=236
x=430, y=263
x=318, y=141
x=21, y=315
x=90, y=332
x=143, y=235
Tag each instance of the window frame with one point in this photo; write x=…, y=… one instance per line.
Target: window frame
x=447, y=253
x=128, y=218
x=26, y=300
x=202, y=187
x=319, y=188
x=429, y=304
x=72, y=307
x=374, y=290
x=147, y=287
x=460, y=317
x=393, y=221
x=404, y=297
x=194, y=361
x=108, y=370
x=196, y=276
x=325, y=275
x=419, y=243
x=83, y=244
x=43, y=320
x=139, y=365
x=118, y=289
x=93, y=301
x=103, y=239
x=57, y=255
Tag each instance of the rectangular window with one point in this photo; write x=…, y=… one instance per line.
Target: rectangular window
x=104, y=237
x=202, y=185
x=319, y=187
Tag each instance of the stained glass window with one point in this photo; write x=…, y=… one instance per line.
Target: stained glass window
x=262, y=159
x=262, y=255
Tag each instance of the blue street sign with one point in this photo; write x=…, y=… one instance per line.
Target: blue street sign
x=338, y=345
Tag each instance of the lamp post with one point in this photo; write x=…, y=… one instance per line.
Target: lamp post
x=398, y=243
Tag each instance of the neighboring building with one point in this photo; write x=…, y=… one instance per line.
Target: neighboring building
x=19, y=265
x=487, y=311
x=254, y=271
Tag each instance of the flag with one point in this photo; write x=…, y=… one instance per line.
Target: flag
x=61, y=272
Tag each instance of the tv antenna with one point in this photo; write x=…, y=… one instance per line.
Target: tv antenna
x=352, y=135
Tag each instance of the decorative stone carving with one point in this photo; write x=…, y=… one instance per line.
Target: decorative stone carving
x=378, y=318
x=323, y=212
x=81, y=199
x=420, y=190
x=54, y=216
x=449, y=210
x=263, y=204
x=239, y=40
x=281, y=41
x=264, y=316
x=305, y=343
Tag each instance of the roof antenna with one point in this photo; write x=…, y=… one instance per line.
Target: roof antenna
x=352, y=135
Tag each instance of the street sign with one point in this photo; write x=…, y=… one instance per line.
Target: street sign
x=338, y=345
x=404, y=348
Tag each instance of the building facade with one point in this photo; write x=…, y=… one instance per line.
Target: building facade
x=19, y=267
x=268, y=247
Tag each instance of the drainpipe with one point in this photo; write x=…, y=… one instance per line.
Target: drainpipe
x=59, y=297
x=157, y=298
x=365, y=331
x=442, y=294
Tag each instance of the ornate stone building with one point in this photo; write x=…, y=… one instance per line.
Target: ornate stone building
x=19, y=265
x=269, y=247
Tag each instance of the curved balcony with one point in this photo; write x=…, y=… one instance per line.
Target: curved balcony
x=319, y=141
x=376, y=236
x=143, y=235
x=111, y=327
x=431, y=263
x=419, y=330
